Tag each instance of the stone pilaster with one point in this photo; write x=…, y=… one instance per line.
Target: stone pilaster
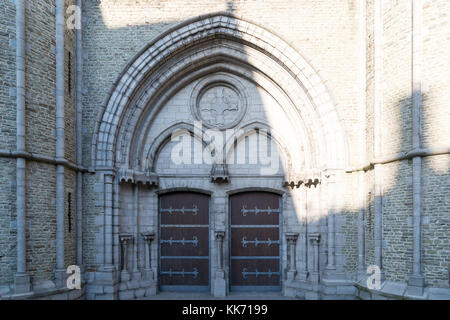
x=148, y=238
x=416, y=282
x=125, y=239
x=291, y=239
x=314, y=239
x=220, y=287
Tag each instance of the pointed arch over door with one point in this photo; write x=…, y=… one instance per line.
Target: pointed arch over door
x=211, y=42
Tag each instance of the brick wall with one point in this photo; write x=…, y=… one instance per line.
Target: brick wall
x=40, y=139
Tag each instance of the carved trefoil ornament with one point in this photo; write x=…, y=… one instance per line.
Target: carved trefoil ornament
x=219, y=101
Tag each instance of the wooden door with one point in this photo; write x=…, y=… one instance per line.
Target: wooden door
x=255, y=242
x=184, y=242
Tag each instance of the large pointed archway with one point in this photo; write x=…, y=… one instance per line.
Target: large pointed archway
x=216, y=50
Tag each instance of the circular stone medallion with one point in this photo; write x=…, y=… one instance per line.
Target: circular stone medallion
x=218, y=104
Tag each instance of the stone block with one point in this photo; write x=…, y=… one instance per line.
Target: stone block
x=133, y=284
x=126, y=295
x=75, y=294
x=95, y=289
x=376, y=296
x=365, y=295
x=106, y=296
x=22, y=283
x=220, y=288
x=311, y=295
x=346, y=290
x=151, y=291
x=60, y=296
x=139, y=293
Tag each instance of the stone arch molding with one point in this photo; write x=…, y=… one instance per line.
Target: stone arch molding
x=204, y=45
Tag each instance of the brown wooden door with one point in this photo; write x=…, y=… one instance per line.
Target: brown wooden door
x=184, y=242
x=255, y=242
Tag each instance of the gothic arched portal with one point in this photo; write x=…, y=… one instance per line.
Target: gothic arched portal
x=213, y=75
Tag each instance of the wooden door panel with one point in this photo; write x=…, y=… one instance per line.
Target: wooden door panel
x=184, y=241
x=255, y=272
x=186, y=272
x=255, y=208
x=184, y=208
x=255, y=241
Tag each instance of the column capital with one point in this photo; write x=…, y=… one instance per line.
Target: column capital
x=314, y=238
x=219, y=234
x=148, y=236
x=291, y=236
x=125, y=238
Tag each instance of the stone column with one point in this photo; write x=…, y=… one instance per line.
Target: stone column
x=416, y=281
x=291, y=239
x=79, y=138
x=108, y=220
x=106, y=276
x=331, y=261
x=124, y=240
x=135, y=271
x=60, y=272
x=220, y=288
x=303, y=273
x=148, y=238
x=362, y=26
x=377, y=123
x=22, y=282
x=116, y=223
x=361, y=234
x=219, y=240
x=314, y=239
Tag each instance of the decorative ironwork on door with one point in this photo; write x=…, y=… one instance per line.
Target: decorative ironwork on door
x=184, y=242
x=255, y=243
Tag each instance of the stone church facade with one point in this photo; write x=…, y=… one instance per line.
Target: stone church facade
x=219, y=146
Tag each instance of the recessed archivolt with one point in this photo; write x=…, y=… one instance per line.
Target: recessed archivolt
x=269, y=87
x=297, y=79
x=216, y=66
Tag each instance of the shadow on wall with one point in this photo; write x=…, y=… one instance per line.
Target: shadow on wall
x=135, y=137
x=397, y=203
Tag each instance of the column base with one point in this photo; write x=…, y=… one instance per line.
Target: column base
x=124, y=276
x=136, y=275
x=314, y=277
x=220, y=285
x=302, y=275
x=22, y=283
x=361, y=273
x=329, y=272
x=104, y=285
x=148, y=274
x=106, y=274
x=61, y=278
x=291, y=274
x=416, y=284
